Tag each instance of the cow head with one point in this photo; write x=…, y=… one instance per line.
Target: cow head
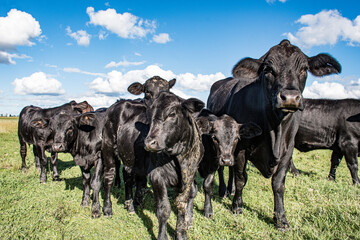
x=170, y=123
x=283, y=72
x=152, y=87
x=225, y=135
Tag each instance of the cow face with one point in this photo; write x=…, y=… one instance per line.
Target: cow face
x=283, y=72
x=152, y=87
x=226, y=133
x=64, y=128
x=170, y=123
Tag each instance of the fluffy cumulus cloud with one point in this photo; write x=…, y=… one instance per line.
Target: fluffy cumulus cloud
x=16, y=29
x=117, y=82
x=123, y=64
x=37, y=83
x=326, y=27
x=332, y=90
x=81, y=36
x=125, y=25
x=161, y=38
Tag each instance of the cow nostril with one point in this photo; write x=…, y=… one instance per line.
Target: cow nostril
x=298, y=97
x=283, y=97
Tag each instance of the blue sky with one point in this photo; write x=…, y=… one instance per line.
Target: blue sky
x=52, y=52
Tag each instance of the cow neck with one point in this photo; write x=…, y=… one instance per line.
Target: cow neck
x=275, y=119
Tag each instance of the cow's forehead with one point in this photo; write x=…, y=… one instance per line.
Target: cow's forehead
x=156, y=82
x=283, y=53
x=164, y=102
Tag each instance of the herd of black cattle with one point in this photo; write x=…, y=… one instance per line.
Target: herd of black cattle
x=259, y=114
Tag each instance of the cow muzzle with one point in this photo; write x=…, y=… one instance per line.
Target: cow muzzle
x=58, y=147
x=289, y=101
x=152, y=145
x=226, y=162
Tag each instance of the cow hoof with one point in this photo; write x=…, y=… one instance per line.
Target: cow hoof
x=84, y=203
x=57, y=179
x=237, y=210
x=295, y=173
x=95, y=211
x=331, y=178
x=23, y=170
x=129, y=206
x=209, y=215
x=281, y=222
x=107, y=212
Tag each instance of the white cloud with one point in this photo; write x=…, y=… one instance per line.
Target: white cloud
x=125, y=25
x=103, y=35
x=332, y=90
x=117, y=82
x=198, y=82
x=326, y=27
x=7, y=58
x=81, y=36
x=272, y=1
x=98, y=100
x=161, y=38
x=18, y=29
x=37, y=83
x=77, y=70
x=123, y=63
x=137, y=54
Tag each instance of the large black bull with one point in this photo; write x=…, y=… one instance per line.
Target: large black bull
x=335, y=125
x=268, y=92
x=34, y=129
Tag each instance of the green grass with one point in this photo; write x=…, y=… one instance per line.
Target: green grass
x=316, y=208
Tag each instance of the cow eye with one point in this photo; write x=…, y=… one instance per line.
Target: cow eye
x=171, y=115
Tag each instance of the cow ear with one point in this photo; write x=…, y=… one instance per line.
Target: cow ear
x=83, y=107
x=205, y=126
x=39, y=123
x=136, y=88
x=247, y=67
x=86, y=122
x=249, y=130
x=172, y=82
x=193, y=105
x=323, y=64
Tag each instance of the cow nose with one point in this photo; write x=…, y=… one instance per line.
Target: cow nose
x=290, y=100
x=225, y=162
x=58, y=147
x=151, y=144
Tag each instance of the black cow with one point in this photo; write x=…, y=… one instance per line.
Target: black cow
x=268, y=92
x=123, y=138
x=81, y=136
x=331, y=124
x=152, y=87
x=176, y=142
x=33, y=128
x=220, y=138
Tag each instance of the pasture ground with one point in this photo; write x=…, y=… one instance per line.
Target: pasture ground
x=316, y=208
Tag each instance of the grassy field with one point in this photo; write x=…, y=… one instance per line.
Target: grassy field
x=316, y=208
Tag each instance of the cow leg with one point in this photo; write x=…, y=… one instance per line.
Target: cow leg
x=335, y=161
x=54, y=161
x=128, y=175
x=231, y=182
x=141, y=183
x=163, y=207
x=109, y=172
x=278, y=187
x=43, y=162
x=117, y=174
x=23, y=150
x=189, y=216
x=95, y=185
x=208, y=188
x=352, y=163
x=240, y=182
x=37, y=160
x=222, y=185
x=86, y=185
x=293, y=169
